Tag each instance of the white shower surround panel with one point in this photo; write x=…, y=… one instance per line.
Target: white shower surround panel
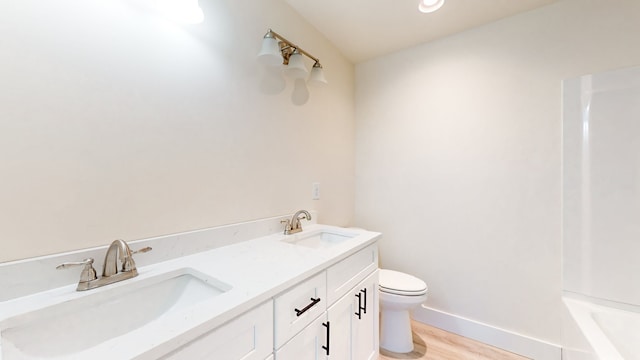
x=601, y=185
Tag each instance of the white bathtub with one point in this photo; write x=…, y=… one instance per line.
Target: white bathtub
x=609, y=331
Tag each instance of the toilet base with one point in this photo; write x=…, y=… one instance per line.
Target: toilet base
x=395, y=335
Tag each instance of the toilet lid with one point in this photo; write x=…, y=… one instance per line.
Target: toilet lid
x=400, y=283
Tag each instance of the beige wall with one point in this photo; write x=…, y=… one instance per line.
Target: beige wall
x=115, y=123
x=458, y=157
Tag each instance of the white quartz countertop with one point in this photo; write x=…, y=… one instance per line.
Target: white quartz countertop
x=257, y=270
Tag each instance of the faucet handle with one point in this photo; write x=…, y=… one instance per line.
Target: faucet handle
x=143, y=250
x=127, y=261
x=87, y=274
x=287, y=225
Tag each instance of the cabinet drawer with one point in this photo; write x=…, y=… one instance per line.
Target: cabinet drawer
x=298, y=306
x=344, y=275
x=247, y=337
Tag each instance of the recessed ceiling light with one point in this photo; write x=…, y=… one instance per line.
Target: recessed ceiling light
x=428, y=6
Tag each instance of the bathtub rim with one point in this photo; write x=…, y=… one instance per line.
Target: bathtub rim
x=581, y=308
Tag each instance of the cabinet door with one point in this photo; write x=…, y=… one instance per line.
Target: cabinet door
x=309, y=344
x=365, y=333
x=354, y=322
x=342, y=318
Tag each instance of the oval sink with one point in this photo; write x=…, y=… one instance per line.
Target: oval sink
x=319, y=239
x=69, y=327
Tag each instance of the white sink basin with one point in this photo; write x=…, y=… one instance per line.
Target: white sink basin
x=319, y=239
x=81, y=323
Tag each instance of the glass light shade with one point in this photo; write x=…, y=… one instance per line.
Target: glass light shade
x=270, y=52
x=316, y=76
x=429, y=6
x=296, y=68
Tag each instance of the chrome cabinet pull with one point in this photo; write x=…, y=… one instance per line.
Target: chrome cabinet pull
x=313, y=302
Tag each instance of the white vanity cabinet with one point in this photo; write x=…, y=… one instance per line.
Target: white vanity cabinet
x=247, y=337
x=348, y=329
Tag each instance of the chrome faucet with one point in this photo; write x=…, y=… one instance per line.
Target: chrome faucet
x=294, y=226
x=110, y=266
x=110, y=273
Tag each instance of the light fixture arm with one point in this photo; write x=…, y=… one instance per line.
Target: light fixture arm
x=277, y=36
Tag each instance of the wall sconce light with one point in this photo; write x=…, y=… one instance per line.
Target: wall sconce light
x=277, y=50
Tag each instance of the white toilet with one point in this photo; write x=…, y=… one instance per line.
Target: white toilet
x=399, y=294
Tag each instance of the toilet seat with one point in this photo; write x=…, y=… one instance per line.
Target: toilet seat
x=398, y=283
x=403, y=293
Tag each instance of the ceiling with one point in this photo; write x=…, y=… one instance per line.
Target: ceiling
x=365, y=29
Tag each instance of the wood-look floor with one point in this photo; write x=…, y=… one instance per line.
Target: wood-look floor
x=434, y=344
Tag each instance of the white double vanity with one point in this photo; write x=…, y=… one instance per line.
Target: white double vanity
x=226, y=293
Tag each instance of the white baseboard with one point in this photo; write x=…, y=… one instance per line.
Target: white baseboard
x=500, y=338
